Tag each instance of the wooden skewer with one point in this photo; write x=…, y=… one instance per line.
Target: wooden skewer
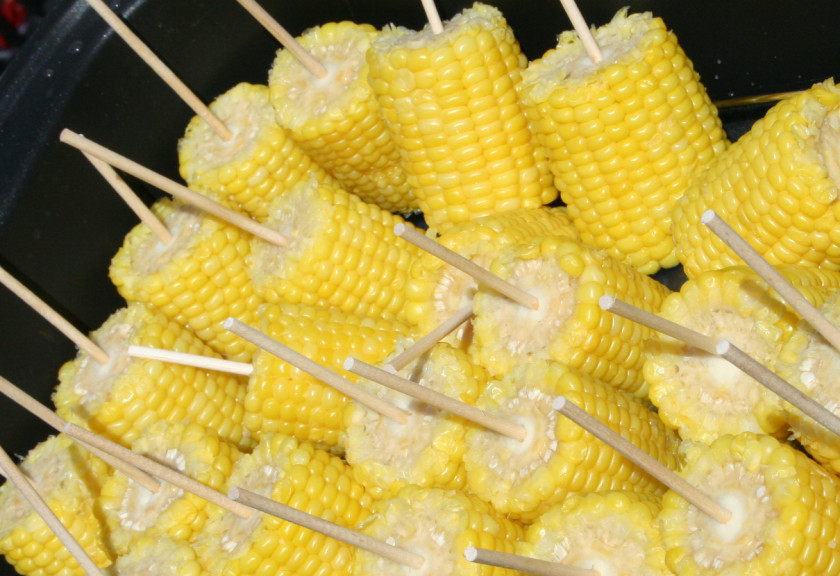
x=580, y=26
x=21, y=482
x=161, y=69
x=170, y=186
x=194, y=360
x=131, y=199
x=755, y=99
x=287, y=40
x=524, y=564
x=480, y=274
x=433, y=16
x=311, y=367
x=340, y=533
x=772, y=276
x=425, y=343
x=54, y=318
x=436, y=399
x=643, y=460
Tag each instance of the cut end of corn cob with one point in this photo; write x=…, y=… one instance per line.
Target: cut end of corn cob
x=162, y=556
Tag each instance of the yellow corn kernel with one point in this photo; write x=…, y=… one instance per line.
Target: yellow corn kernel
x=199, y=280
x=625, y=137
x=785, y=512
x=121, y=398
x=558, y=458
x=336, y=119
x=160, y=555
x=568, y=278
x=450, y=100
x=776, y=186
x=258, y=164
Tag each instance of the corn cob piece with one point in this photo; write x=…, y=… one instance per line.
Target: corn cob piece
x=68, y=479
x=132, y=512
x=260, y=162
x=342, y=253
x=450, y=100
x=199, y=280
x=437, y=290
x=611, y=532
x=337, y=119
x=786, y=512
x=301, y=476
x=438, y=524
x=776, y=186
x=558, y=458
x=426, y=452
x=625, y=137
x=120, y=399
x=570, y=327
x=159, y=555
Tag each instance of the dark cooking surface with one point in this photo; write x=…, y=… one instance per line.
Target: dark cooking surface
x=60, y=223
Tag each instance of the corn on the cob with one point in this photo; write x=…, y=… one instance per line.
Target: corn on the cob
x=132, y=512
x=558, y=458
x=450, y=100
x=258, y=164
x=120, y=399
x=199, y=280
x=301, y=476
x=785, y=512
x=612, y=532
x=68, y=479
x=342, y=253
x=568, y=278
x=437, y=524
x=428, y=450
x=159, y=555
x=776, y=186
x=336, y=119
x=625, y=137
x=437, y=290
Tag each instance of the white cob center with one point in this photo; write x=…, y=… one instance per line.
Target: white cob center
x=828, y=146
x=94, y=381
x=140, y=507
x=183, y=223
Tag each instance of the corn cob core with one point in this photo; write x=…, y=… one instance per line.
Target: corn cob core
x=260, y=162
x=786, y=512
x=558, y=458
x=428, y=450
x=450, y=100
x=337, y=119
x=437, y=524
x=626, y=136
x=342, y=253
x=568, y=278
x=615, y=533
x=776, y=186
x=68, y=478
x=199, y=280
x=159, y=555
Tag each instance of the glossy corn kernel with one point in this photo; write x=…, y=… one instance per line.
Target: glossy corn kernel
x=337, y=119
x=568, y=278
x=450, y=100
x=198, y=280
x=121, y=398
x=785, y=512
x=428, y=450
x=439, y=525
x=776, y=187
x=523, y=479
x=342, y=253
x=625, y=137
x=260, y=162
x=159, y=555
x=68, y=480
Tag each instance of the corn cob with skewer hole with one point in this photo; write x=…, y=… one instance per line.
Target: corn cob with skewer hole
x=568, y=278
x=159, y=555
x=558, y=458
x=336, y=119
x=68, y=478
x=260, y=162
x=776, y=187
x=426, y=452
x=786, y=512
x=626, y=136
x=199, y=280
x=450, y=100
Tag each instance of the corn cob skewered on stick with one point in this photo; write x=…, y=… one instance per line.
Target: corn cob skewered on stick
x=523, y=563
x=583, y=31
x=195, y=360
x=422, y=345
x=432, y=15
